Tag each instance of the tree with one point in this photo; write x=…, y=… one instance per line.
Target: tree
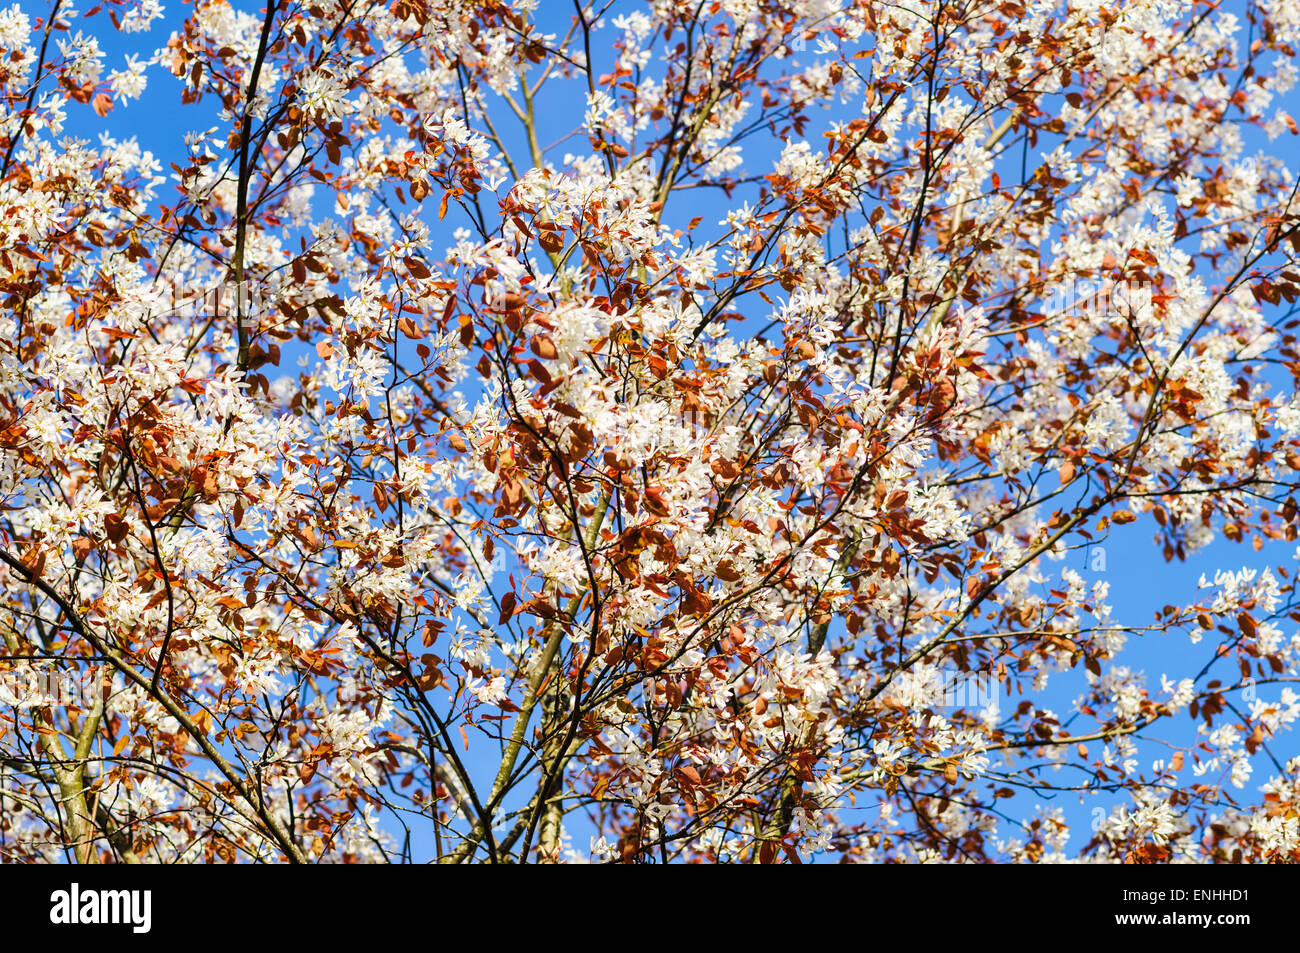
x=382, y=481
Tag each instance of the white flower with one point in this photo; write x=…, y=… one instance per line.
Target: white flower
x=128, y=83
x=490, y=692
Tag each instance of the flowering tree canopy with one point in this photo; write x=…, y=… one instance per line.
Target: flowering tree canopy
x=623, y=429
